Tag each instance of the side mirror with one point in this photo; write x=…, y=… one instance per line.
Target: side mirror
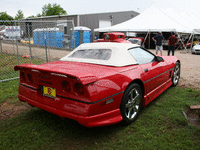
x=159, y=59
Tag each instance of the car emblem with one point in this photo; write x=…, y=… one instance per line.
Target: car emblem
x=49, y=91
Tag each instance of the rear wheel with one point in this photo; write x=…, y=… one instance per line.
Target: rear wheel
x=176, y=74
x=131, y=103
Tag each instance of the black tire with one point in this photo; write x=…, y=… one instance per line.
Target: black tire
x=131, y=104
x=176, y=74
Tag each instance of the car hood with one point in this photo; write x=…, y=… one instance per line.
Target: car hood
x=196, y=46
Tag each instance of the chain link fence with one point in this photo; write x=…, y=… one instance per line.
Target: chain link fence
x=32, y=42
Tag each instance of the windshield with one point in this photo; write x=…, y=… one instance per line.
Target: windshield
x=134, y=41
x=102, y=54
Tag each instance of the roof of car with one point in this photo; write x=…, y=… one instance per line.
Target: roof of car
x=120, y=55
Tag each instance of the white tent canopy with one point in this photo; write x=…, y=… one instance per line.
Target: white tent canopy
x=191, y=19
x=154, y=19
x=182, y=20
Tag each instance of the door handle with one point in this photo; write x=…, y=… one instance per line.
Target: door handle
x=146, y=70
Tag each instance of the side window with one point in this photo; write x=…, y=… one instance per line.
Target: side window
x=120, y=36
x=107, y=37
x=141, y=56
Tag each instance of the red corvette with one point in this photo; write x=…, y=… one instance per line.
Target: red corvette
x=98, y=84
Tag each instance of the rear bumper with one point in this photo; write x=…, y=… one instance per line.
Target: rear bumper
x=103, y=119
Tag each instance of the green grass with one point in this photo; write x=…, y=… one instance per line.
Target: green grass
x=160, y=125
x=9, y=90
x=8, y=61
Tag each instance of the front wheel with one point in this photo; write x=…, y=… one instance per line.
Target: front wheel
x=176, y=74
x=131, y=103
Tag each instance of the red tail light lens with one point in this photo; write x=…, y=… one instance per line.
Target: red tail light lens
x=29, y=77
x=79, y=88
x=66, y=86
x=22, y=75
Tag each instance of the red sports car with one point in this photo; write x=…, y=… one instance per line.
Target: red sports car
x=98, y=84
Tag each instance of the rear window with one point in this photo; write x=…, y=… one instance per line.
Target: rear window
x=102, y=54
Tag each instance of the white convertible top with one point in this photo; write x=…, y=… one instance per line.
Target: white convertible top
x=120, y=55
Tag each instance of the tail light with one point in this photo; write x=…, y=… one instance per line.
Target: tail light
x=29, y=77
x=78, y=88
x=22, y=75
x=66, y=86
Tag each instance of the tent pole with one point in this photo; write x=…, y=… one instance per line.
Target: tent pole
x=145, y=39
x=149, y=39
x=181, y=41
x=192, y=43
x=188, y=41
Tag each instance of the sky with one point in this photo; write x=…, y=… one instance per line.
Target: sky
x=73, y=7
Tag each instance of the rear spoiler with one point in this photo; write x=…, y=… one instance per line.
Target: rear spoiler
x=84, y=79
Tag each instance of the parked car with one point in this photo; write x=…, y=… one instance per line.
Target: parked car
x=99, y=84
x=196, y=49
x=116, y=37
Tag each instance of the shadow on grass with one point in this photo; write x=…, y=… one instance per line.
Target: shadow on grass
x=50, y=131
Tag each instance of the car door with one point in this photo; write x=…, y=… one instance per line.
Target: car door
x=152, y=70
x=153, y=75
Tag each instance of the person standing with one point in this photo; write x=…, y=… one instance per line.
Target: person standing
x=172, y=41
x=158, y=41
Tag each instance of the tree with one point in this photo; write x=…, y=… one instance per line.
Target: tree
x=31, y=16
x=39, y=15
x=50, y=10
x=5, y=16
x=19, y=15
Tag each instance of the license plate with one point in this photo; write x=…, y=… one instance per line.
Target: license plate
x=49, y=92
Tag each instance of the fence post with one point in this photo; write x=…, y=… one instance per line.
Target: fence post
x=73, y=34
x=1, y=46
x=48, y=30
x=17, y=46
x=29, y=40
x=45, y=41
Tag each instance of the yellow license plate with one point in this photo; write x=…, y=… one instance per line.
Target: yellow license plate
x=48, y=91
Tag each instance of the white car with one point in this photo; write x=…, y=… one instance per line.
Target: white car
x=196, y=49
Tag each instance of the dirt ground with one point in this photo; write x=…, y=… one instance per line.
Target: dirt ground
x=8, y=109
x=193, y=117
